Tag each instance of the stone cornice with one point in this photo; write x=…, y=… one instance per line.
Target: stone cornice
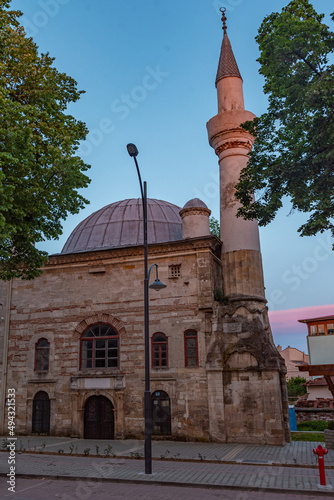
x=190, y=244
x=232, y=144
x=195, y=211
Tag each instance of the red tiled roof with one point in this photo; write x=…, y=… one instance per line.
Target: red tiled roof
x=318, y=382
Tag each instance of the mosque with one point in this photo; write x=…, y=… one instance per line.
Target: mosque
x=72, y=339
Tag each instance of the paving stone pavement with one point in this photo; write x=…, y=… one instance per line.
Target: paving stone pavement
x=294, y=453
x=290, y=468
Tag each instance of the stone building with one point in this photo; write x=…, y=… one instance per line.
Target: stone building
x=318, y=389
x=293, y=359
x=74, y=337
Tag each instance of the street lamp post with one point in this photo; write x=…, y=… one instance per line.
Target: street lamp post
x=156, y=285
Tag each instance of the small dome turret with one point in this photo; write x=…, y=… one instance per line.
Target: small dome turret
x=195, y=219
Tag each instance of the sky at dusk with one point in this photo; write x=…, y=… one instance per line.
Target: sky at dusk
x=148, y=68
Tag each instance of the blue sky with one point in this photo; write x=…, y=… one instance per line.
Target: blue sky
x=148, y=69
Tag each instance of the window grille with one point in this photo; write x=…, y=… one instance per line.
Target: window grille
x=175, y=271
x=99, y=347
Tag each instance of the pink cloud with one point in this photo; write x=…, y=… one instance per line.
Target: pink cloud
x=288, y=319
x=286, y=329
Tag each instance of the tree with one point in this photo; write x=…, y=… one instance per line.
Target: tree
x=296, y=387
x=214, y=227
x=293, y=154
x=39, y=172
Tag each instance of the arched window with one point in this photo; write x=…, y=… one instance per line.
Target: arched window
x=159, y=350
x=99, y=347
x=42, y=349
x=190, y=348
x=41, y=413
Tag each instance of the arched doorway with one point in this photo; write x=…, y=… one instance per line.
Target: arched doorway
x=161, y=418
x=41, y=413
x=99, y=418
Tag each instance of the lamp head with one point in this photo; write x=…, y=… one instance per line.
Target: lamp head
x=157, y=285
x=132, y=149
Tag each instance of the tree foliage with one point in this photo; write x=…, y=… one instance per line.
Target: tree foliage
x=293, y=154
x=295, y=387
x=214, y=227
x=39, y=172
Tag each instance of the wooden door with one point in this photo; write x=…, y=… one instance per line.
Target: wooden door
x=99, y=418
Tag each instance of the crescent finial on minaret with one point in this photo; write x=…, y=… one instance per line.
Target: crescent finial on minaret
x=227, y=64
x=223, y=10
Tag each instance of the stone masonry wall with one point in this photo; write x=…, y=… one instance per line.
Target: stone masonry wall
x=255, y=400
x=78, y=287
x=329, y=439
x=309, y=414
x=3, y=362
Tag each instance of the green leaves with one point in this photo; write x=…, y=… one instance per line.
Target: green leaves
x=40, y=174
x=214, y=227
x=294, y=148
x=295, y=387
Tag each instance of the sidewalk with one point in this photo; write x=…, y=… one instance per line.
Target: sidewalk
x=292, y=468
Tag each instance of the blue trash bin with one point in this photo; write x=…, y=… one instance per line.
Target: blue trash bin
x=292, y=416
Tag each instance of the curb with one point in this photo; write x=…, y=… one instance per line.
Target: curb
x=178, y=484
x=171, y=459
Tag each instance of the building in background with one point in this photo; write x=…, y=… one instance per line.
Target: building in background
x=318, y=389
x=293, y=359
x=320, y=341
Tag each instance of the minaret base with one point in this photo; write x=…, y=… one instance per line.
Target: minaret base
x=248, y=399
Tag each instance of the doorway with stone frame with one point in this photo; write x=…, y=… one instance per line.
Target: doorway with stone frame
x=99, y=418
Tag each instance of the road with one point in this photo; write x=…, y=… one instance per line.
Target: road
x=48, y=489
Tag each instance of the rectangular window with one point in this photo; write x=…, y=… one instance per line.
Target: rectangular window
x=87, y=354
x=313, y=330
x=42, y=349
x=46, y=361
x=39, y=359
x=321, y=329
x=160, y=355
x=113, y=353
x=175, y=271
x=159, y=350
x=99, y=347
x=163, y=355
x=190, y=347
x=330, y=328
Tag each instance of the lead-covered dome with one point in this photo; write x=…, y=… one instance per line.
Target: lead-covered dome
x=195, y=203
x=121, y=224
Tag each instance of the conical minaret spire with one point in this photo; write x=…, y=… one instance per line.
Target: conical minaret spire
x=227, y=64
x=228, y=80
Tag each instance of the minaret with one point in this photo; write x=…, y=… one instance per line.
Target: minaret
x=241, y=255
x=246, y=375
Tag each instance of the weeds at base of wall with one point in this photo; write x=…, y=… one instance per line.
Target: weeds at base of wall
x=307, y=436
